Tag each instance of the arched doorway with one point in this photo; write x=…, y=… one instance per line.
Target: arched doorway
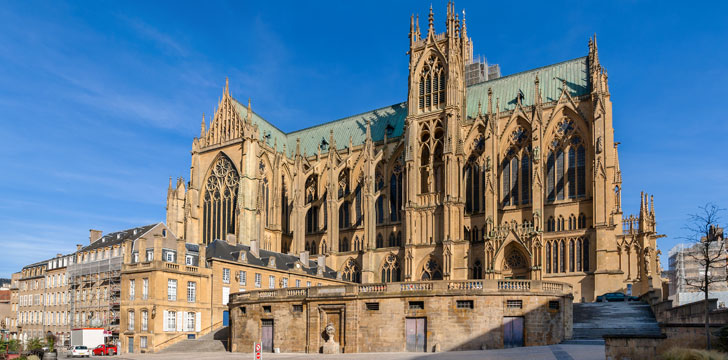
x=515, y=264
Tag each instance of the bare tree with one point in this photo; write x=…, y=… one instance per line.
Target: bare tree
x=709, y=252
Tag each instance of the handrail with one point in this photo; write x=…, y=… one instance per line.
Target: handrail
x=470, y=286
x=172, y=338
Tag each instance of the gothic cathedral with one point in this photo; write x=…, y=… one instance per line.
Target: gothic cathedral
x=513, y=177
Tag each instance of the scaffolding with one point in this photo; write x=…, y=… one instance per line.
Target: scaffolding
x=95, y=289
x=478, y=71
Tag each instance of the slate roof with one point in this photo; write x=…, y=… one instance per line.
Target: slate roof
x=222, y=250
x=506, y=88
x=118, y=237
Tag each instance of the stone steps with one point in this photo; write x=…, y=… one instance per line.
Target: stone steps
x=214, y=341
x=594, y=320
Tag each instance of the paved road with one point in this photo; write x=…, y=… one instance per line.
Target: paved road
x=553, y=352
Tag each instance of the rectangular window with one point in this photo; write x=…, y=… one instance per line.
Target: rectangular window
x=243, y=277
x=308, y=284
x=266, y=309
x=131, y=321
x=298, y=283
x=150, y=254
x=243, y=310
x=372, y=306
x=258, y=280
x=190, y=321
x=191, y=291
x=169, y=256
x=225, y=295
x=553, y=305
x=226, y=275
x=172, y=290
x=285, y=282
x=297, y=308
x=145, y=320
x=131, y=289
x=514, y=304
x=135, y=257
x=145, y=289
x=188, y=260
x=143, y=342
x=271, y=282
x=464, y=304
x=171, y=321
x=416, y=305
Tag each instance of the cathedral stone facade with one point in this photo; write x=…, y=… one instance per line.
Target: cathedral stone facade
x=512, y=178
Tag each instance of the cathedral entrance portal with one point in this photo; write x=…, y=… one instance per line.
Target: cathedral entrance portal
x=515, y=264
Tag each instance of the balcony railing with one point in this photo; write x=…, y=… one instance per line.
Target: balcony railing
x=456, y=287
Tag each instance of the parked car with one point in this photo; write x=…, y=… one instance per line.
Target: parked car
x=104, y=350
x=80, y=351
x=616, y=296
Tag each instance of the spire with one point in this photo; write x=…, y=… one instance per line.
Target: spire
x=332, y=144
x=537, y=92
x=457, y=26
x=480, y=108
x=652, y=205
x=417, y=26
x=490, y=100
x=249, y=115
x=202, y=127
x=369, y=131
x=170, y=184
x=227, y=88
x=465, y=29
x=412, y=30
x=431, y=27
x=298, y=146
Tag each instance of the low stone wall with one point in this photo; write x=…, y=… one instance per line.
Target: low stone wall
x=632, y=347
x=456, y=315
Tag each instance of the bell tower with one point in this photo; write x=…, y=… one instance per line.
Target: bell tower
x=436, y=108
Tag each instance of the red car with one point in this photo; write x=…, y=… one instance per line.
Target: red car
x=104, y=350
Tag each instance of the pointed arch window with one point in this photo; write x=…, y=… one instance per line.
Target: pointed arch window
x=555, y=257
x=380, y=210
x=572, y=254
x=473, y=191
x=392, y=240
x=358, y=206
x=432, y=85
x=579, y=254
x=548, y=258
x=285, y=217
x=562, y=255
x=477, y=270
x=380, y=241
x=351, y=271
x=344, y=244
x=566, y=165
x=357, y=244
x=395, y=192
x=344, y=218
x=219, y=204
x=266, y=199
x=585, y=255
x=391, y=269
x=431, y=270
x=516, y=170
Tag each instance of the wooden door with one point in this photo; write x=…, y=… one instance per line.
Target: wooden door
x=415, y=333
x=267, y=335
x=512, y=331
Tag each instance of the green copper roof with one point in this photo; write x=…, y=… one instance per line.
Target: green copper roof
x=390, y=119
x=354, y=127
x=507, y=88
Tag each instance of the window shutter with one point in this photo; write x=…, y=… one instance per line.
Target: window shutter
x=198, y=318
x=180, y=320
x=164, y=320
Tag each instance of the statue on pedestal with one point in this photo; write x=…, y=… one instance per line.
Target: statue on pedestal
x=330, y=346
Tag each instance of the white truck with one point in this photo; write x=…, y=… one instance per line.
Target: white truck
x=89, y=337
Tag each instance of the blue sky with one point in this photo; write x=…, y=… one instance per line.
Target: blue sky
x=100, y=100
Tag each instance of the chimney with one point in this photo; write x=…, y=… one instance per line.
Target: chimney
x=59, y=255
x=202, y=253
x=254, y=248
x=78, y=247
x=94, y=235
x=304, y=258
x=181, y=251
x=230, y=239
x=321, y=260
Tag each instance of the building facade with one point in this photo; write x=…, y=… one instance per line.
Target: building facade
x=686, y=273
x=42, y=300
x=516, y=177
x=172, y=290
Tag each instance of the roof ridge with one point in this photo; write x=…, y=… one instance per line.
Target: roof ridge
x=527, y=71
x=347, y=117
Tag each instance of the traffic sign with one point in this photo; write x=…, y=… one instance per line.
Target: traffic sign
x=257, y=348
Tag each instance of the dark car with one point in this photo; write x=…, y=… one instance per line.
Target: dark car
x=614, y=296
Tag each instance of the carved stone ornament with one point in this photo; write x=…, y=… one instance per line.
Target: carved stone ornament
x=330, y=346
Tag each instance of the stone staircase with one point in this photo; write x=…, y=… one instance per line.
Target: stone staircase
x=215, y=341
x=594, y=320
